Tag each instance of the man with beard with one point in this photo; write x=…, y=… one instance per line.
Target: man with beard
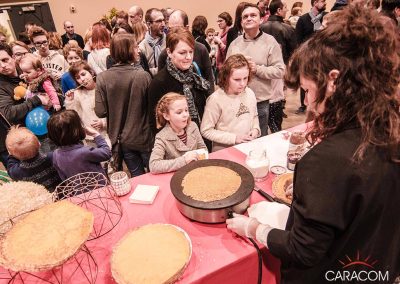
x=305, y=27
x=154, y=41
x=12, y=112
x=71, y=35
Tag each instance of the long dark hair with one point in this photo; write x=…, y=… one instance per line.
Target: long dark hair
x=367, y=55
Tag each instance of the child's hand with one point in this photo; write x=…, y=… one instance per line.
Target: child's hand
x=253, y=133
x=97, y=124
x=190, y=156
x=91, y=131
x=44, y=98
x=57, y=107
x=57, y=76
x=243, y=138
x=69, y=95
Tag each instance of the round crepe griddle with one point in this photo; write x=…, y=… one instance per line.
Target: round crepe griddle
x=244, y=191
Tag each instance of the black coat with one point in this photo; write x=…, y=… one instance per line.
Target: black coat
x=340, y=209
x=65, y=39
x=163, y=83
x=305, y=28
x=283, y=33
x=14, y=111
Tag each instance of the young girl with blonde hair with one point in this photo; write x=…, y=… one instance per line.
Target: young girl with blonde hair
x=179, y=137
x=230, y=116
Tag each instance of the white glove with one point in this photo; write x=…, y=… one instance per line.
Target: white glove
x=243, y=225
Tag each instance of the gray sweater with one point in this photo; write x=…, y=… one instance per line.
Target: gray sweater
x=266, y=53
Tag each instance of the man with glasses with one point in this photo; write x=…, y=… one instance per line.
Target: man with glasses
x=52, y=61
x=266, y=63
x=12, y=111
x=71, y=35
x=154, y=41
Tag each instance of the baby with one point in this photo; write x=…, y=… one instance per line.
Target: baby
x=26, y=163
x=39, y=81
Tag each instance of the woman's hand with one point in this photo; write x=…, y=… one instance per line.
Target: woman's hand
x=242, y=225
x=190, y=156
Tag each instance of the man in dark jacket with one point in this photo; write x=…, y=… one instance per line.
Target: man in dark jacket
x=14, y=111
x=71, y=35
x=282, y=32
x=305, y=27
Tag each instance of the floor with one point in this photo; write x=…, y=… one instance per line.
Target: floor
x=292, y=104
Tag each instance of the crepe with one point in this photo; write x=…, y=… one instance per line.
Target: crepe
x=280, y=185
x=46, y=237
x=152, y=254
x=211, y=183
x=18, y=198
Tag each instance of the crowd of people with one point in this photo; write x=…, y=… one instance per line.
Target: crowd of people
x=146, y=90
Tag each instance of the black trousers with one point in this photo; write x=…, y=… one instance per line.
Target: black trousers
x=275, y=116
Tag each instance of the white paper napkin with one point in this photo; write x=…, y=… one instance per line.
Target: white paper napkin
x=270, y=213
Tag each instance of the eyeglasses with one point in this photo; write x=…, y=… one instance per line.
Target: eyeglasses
x=158, y=21
x=43, y=43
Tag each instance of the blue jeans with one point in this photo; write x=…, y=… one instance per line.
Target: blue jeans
x=3, y=158
x=136, y=161
x=263, y=114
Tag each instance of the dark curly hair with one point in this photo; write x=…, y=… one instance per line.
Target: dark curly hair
x=367, y=55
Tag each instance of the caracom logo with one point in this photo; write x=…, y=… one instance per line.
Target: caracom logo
x=357, y=269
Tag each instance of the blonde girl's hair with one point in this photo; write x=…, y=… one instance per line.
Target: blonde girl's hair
x=163, y=107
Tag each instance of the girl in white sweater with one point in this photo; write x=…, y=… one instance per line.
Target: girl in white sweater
x=230, y=115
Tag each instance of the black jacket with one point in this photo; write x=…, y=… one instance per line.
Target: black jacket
x=14, y=111
x=283, y=33
x=339, y=210
x=305, y=28
x=65, y=39
x=163, y=83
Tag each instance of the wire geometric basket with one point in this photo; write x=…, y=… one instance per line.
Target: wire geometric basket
x=92, y=191
x=80, y=268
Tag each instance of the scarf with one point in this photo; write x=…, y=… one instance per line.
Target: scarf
x=316, y=20
x=156, y=45
x=188, y=79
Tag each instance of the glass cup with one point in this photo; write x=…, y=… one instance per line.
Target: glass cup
x=258, y=164
x=297, y=142
x=120, y=182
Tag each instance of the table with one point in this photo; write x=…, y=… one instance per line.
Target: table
x=218, y=255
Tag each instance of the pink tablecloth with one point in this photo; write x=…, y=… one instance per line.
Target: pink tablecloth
x=218, y=255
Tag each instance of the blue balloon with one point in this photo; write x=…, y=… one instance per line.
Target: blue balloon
x=36, y=121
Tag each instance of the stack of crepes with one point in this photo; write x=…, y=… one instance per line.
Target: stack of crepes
x=18, y=198
x=152, y=254
x=46, y=237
